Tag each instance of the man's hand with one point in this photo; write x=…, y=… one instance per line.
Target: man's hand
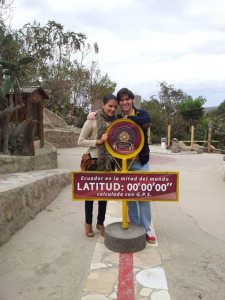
x=91, y=116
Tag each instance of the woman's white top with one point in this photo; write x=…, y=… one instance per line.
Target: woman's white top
x=88, y=137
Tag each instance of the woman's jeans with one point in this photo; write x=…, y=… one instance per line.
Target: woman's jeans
x=89, y=206
x=139, y=211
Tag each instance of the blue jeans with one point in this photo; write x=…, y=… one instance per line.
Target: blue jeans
x=139, y=211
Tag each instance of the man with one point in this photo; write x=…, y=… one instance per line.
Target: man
x=139, y=211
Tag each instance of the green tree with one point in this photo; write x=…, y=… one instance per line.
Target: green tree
x=51, y=46
x=170, y=97
x=164, y=110
x=221, y=109
x=9, y=84
x=91, y=86
x=157, y=113
x=5, y=10
x=192, y=110
x=201, y=129
x=60, y=65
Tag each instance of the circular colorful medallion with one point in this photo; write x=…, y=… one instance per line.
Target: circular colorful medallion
x=125, y=138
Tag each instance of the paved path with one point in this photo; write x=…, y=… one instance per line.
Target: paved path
x=191, y=234
x=103, y=275
x=51, y=258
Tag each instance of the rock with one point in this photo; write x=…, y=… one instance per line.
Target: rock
x=175, y=146
x=51, y=120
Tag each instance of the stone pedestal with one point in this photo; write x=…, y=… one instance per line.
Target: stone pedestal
x=175, y=146
x=129, y=240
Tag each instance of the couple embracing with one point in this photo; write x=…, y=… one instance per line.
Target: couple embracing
x=93, y=136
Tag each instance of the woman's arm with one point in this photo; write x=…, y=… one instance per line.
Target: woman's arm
x=86, y=133
x=102, y=139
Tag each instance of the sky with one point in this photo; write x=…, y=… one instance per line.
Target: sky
x=144, y=42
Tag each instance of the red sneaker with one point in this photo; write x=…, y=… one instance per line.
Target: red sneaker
x=150, y=237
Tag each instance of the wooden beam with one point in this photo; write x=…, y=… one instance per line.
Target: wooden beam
x=209, y=139
x=169, y=136
x=192, y=137
x=198, y=141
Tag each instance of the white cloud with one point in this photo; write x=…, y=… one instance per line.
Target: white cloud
x=142, y=42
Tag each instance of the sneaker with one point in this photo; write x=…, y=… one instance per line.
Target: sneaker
x=150, y=237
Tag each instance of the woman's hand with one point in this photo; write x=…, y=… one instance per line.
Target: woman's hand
x=91, y=116
x=102, y=139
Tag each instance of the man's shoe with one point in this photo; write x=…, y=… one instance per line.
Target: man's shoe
x=150, y=237
x=88, y=230
x=101, y=228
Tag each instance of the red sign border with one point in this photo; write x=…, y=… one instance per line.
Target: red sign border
x=124, y=156
x=124, y=173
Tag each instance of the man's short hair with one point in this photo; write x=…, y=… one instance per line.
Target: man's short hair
x=125, y=91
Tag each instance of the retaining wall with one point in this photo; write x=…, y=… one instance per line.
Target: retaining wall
x=21, y=202
x=62, y=138
x=44, y=158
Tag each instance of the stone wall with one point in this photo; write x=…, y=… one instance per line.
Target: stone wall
x=45, y=158
x=23, y=202
x=58, y=132
x=61, y=137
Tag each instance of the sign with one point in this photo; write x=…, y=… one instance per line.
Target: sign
x=129, y=186
x=125, y=138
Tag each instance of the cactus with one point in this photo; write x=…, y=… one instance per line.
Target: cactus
x=9, y=84
x=6, y=40
x=26, y=60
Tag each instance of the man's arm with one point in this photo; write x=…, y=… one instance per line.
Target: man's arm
x=143, y=119
x=91, y=115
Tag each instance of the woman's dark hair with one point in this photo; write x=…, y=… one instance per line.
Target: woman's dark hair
x=106, y=98
x=125, y=91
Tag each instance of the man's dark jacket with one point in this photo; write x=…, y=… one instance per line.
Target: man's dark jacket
x=143, y=119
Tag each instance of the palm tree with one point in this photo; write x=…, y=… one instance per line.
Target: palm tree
x=192, y=109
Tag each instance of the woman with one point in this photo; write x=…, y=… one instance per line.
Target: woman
x=93, y=136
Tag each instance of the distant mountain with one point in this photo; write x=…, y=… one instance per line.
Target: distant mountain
x=208, y=109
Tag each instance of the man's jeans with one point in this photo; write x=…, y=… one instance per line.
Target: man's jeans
x=139, y=211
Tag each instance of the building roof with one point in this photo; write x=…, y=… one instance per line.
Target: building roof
x=30, y=89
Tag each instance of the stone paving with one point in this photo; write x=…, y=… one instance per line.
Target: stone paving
x=102, y=280
x=149, y=277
